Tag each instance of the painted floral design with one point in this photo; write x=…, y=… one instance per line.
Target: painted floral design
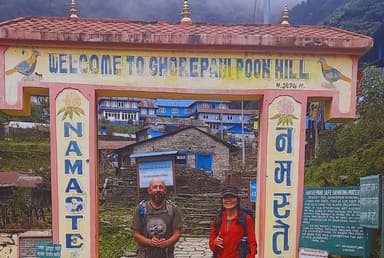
x=285, y=109
x=72, y=103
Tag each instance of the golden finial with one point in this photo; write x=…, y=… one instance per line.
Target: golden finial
x=285, y=16
x=73, y=12
x=186, y=13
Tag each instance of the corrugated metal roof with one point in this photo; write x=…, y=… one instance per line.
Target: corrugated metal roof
x=16, y=179
x=120, y=98
x=152, y=154
x=102, y=31
x=173, y=103
x=227, y=111
x=19, y=124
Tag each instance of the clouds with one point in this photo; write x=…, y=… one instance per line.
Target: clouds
x=217, y=11
x=207, y=11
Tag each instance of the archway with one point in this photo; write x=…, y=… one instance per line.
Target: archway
x=76, y=60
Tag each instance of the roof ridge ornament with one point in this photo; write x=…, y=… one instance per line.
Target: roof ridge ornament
x=285, y=19
x=73, y=11
x=186, y=13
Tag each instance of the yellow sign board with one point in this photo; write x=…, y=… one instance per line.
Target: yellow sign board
x=175, y=69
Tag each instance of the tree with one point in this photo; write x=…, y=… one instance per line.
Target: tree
x=354, y=149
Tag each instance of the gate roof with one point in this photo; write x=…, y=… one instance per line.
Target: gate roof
x=56, y=30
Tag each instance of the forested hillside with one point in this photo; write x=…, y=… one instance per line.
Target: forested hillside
x=313, y=12
x=361, y=16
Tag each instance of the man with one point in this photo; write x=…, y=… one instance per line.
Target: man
x=156, y=224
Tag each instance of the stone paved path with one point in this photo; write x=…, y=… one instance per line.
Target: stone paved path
x=189, y=247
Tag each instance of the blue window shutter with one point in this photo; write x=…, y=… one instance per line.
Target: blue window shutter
x=204, y=161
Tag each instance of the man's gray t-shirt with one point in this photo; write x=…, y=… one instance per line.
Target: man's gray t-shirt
x=157, y=222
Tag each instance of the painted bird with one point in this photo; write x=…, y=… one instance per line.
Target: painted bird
x=330, y=73
x=26, y=67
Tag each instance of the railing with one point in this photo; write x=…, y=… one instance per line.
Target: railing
x=25, y=218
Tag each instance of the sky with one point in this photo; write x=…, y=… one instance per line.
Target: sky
x=220, y=11
x=206, y=11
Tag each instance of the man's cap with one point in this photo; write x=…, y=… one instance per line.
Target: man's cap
x=230, y=190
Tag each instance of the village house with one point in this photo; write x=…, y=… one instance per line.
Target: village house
x=119, y=110
x=197, y=148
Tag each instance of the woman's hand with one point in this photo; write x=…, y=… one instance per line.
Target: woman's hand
x=219, y=241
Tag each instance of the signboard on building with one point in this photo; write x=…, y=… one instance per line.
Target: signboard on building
x=176, y=69
x=331, y=220
x=155, y=169
x=252, y=190
x=370, y=201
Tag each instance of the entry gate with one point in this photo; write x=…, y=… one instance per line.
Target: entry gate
x=74, y=61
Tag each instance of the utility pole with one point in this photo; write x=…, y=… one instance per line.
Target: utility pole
x=222, y=125
x=267, y=12
x=242, y=134
x=254, y=12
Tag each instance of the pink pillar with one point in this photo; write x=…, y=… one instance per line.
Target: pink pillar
x=280, y=174
x=74, y=170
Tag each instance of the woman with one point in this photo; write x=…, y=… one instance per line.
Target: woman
x=232, y=233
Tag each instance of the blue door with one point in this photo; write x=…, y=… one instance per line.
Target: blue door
x=204, y=161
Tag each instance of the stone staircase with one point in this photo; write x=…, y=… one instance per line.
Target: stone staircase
x=198, y=212
x=119, y=191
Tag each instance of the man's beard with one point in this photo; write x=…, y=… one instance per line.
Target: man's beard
x=158, y=198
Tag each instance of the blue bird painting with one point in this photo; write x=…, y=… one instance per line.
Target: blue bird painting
x=330, y=73
x=27, y=66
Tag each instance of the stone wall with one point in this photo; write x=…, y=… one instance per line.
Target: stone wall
x=8, y=247
x=192, y=181
x=249, y=170
x=192, y=141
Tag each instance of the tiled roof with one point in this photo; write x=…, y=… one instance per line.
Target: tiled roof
x=16, y=179
x=113, y=145
x=102, y=31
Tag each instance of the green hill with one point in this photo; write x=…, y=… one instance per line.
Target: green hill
x=365, y=17
x=24, y=155
x=361, y=16
x=312, y=12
